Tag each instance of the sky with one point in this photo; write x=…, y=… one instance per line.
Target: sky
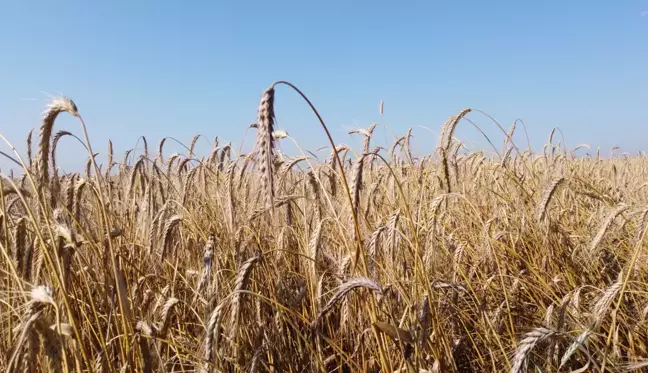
x=176, y=68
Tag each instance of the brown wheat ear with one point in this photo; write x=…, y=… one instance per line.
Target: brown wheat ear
x=57, y=106
x=265, y=144
x=342, y=291
x=525, y=346
x=240, y=285
x=30, y=158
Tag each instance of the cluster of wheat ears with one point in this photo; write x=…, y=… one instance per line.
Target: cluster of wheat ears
x=366, y=261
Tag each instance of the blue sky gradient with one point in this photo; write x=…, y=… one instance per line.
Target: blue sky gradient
x=171, y=68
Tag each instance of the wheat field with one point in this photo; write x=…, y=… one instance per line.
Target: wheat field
x=369, y=260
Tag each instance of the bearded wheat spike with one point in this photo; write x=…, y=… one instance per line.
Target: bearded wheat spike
x=509, y=135
x=208, y=258
x=642, y=226
x=167, y=310
x=578, y=343
x=356, y=184
x=265, y=145
x=55, y=140
x=192, y=147
x=367, y=139
x=166, y=236
x=110, y=162
x=30, y=158
x=57, y=106
x=599, y=311
x=606, y=224
x=447, y=132
x=212, y=336
x=313, y=245
x=549, y=191
x=527, y=344
x=343, y=290
x=239, y=286
x=603, y=304
x=20, y=233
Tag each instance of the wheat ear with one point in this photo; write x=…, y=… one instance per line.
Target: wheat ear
x=167, y=311
x=265, y=145
x=549, y=191
x=57, y=106
x=192, y=147
x=239, y=286
x=166, y=237
x=30, y=158
x=527, y=344
x=598, y=312
x=606, y=224
x=343, y=290
x=208, y=258
x=212, y=336
x=356, y=184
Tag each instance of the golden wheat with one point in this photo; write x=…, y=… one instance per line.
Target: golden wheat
x=469, y=261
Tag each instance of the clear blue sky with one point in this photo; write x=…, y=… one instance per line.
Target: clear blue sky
x=179, y=68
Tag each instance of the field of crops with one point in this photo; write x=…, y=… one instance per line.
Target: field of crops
x=370, y=260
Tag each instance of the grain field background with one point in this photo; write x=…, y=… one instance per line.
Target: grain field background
x=370, y=260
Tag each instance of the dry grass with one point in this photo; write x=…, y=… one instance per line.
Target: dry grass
x=371, y=261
